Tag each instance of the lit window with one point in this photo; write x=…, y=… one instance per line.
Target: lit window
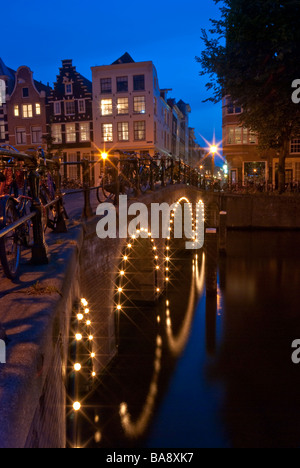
x=105, y=85
x=81, y=106
x=16, y=111
x=2, y=130
x=72, y=171
x=139, y=104
x=84, y=131
x=27, y=111
x=107, y=132
x=2, y=92
x=57, y=133
x=21, y=136
x=70, y=133
x=139, y=129
x=123, y=131
x=57, y=108
x=68, y=89
x=122, y=84
x=122, y=106
x=238, y=135
x=38, y=109
x=106, y=107
x=36, y=135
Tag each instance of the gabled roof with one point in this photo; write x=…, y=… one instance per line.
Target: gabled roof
x=41, y=87
x=126, y=58
x=86, y=82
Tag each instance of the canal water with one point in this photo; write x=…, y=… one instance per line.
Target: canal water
x=199, y=371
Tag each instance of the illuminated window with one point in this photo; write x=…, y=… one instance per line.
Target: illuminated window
x=68, y=89
x=27, y=111
x=70, y=107
x=139, y=104
x=38, y=109
x=122, y=84
x=122, y=106
x=36, y=135
x=123, y=131
x=57, y=133
x=81, y=106
x=105, y=85
x=2, y=92
x=16, y=111
x=70, y=133
x=21, y=136
x=57, y=108
x=72, y=169
x=84, y=131
x=107, y=132
x=2, y=130
x=239, y=135
x=139, y=129
x=106, y=107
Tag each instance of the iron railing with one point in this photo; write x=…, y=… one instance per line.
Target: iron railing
x=160, y=172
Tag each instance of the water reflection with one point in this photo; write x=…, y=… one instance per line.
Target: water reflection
x=215, y=370
x=261, y=406
x=137, y=429
x=177, y=343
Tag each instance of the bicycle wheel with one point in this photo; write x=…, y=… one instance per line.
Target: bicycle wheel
x=144, y=179
x=50, y=213
x=10, y=245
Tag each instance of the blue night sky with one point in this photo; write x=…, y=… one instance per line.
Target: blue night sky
x=40, y=35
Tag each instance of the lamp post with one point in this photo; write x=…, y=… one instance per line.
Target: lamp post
x=213, y=151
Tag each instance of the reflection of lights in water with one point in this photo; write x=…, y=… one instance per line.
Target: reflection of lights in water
x=177, y=344
x=219, y=301
x=135, y=429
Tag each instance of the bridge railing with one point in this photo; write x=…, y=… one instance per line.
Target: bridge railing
x=139, y=173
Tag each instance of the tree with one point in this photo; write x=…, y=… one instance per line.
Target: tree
x=252, y=53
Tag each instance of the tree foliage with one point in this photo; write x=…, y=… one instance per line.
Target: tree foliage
x=252, y=53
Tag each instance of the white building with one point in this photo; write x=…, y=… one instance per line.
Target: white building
x=131, y=112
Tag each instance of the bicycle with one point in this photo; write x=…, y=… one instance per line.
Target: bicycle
x=14, y=206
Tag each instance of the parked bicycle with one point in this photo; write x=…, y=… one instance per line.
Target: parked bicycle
x=16, y=203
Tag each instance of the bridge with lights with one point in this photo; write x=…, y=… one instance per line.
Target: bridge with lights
x=61, y=311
